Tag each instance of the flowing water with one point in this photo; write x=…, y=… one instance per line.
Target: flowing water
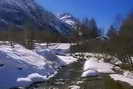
x=70, y=76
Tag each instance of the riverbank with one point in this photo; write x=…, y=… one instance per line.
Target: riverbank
x=69, y=77
x=20, y=67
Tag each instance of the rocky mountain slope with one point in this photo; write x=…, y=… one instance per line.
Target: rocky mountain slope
x=19, y=12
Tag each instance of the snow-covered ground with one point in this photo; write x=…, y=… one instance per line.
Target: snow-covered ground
x=99, y=56
x=125, y=77
x=21, y=67
x=95, y=64
x=64, y=46
x=57, y=48
x=93, y=67
x=74, y=87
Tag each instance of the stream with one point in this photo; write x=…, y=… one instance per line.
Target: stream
x=70, y=77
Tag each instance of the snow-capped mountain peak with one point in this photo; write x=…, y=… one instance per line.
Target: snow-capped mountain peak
x=68, y=19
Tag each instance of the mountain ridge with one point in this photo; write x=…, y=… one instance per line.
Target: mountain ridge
x=20, y=11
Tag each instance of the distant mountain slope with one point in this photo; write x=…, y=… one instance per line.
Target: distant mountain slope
x=20, y=11
x=68, y=19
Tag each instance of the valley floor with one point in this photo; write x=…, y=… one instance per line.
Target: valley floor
x=21, y=67
x=69, y=77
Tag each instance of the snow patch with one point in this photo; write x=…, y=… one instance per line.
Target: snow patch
x=21, y=67
x=67, y=59
x=74, y=87
x=89, y=73
x=125, y=77
x=93, y=66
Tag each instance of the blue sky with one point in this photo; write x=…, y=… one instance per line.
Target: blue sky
x=104, y=11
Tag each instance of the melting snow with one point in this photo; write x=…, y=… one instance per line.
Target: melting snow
x=93, y=66
x=74, y=87
x=125, y=77
x=21, y=67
